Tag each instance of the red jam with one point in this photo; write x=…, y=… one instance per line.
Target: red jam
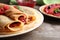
x=22, y=18
x=15, y=24
x=53, y=9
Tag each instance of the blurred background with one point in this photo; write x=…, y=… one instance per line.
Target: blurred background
x=30, y=3
x=15, y=2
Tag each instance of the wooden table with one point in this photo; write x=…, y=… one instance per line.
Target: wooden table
x=49, y=30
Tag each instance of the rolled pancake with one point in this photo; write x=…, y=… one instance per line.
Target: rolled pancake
x=13, y=10
x=14, y=13
x=9, y=25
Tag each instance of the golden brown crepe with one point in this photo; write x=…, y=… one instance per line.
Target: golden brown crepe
x=15, y=14
x=9, y=25
x=12, y=11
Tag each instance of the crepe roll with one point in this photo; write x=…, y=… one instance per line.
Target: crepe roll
x=9, y=25
x=15, y=15
x=11, y=12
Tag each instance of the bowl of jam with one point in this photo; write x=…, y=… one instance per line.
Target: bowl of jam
x=52, y=10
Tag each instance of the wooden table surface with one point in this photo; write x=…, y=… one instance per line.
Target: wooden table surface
x=49, y=30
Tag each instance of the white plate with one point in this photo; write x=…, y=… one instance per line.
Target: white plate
x=39, y=21
x=42, y=8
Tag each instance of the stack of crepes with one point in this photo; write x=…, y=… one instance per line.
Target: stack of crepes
x=12, y=19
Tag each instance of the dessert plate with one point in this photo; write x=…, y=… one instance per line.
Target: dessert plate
x=29, y=27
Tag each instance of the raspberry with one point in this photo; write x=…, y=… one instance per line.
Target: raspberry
x=6, y=7
x=1, y=12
